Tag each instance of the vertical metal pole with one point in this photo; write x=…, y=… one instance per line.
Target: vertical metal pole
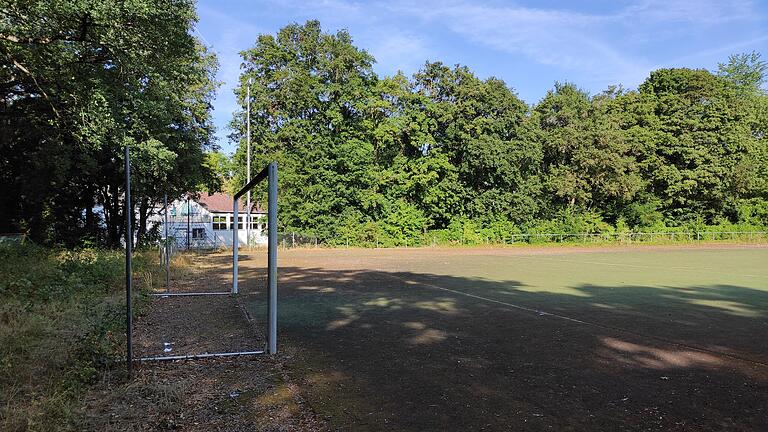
x=128, y=266
x=272, y=259
x=189, y=210
x=235, y=245
x=248, y=204
x=167, y=248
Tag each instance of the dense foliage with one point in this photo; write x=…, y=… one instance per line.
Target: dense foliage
x=363, y=156
x=82, y=79
x=61, y=324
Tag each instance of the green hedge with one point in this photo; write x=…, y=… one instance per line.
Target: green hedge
x=574, y=228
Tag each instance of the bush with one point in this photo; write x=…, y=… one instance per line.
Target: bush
x=61, y=323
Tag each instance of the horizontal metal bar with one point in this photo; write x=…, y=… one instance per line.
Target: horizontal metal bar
x=189, y=294
x=199, y=356
x=259, y=177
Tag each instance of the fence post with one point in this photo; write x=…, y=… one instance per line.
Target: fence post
x=128, y=266
x=167, y=247
x=235, y=245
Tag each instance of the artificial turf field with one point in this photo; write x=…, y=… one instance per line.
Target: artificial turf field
x=643, y=338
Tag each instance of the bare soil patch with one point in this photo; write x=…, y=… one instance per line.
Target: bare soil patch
x=250, y=393
x=370, y=341
x=376, y=347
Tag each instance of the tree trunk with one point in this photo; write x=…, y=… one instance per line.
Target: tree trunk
x=143, y=215
x=116, y=218
x=90, y=216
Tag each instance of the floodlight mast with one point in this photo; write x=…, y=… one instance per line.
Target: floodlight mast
x=248, y=139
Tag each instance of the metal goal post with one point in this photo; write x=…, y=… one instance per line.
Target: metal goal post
x=270, y=174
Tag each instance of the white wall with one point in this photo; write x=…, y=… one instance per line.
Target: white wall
x=201, y=218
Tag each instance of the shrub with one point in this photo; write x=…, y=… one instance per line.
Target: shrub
x=61, y=322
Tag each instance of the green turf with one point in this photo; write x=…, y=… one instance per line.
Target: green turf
x=710, y=298
x=714, y=299
x=570, y=273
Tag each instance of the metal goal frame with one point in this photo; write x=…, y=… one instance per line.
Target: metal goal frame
x=270, y=174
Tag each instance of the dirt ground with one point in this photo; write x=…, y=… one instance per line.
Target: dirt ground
x=661, y=338
x=667, y=338
x=249, y=393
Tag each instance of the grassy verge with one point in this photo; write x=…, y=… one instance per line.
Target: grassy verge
x=62, y=326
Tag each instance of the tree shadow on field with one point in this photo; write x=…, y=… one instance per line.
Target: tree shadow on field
x=380, y=350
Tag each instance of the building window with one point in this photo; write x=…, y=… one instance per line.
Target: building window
x=254, y=222
x=239, y=222
x=219, y=222
x=198, y=233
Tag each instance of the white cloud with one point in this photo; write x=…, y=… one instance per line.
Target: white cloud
x=599, y=44
x=620, y=44
x=551, y=37
x=399, y=52
x=692, y=11
x=228, y=36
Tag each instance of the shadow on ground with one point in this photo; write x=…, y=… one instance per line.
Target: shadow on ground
x=407, y=351
x=389, y=350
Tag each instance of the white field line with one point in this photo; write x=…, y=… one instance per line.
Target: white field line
x=575, y=320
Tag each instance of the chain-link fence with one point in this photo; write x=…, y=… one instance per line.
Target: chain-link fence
x=639, y=237
x=296, y=240
x=293, y=240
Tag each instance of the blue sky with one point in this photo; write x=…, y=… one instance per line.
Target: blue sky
x=528, y=44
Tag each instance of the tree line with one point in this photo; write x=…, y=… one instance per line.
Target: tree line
x=362, y=155
x=82, y=79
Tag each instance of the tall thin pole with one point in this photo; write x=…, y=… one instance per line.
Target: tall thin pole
x=235, y=245
x=248, y=139
x=167, y=248
x=128, y=266
x=189, y=211
x=272, y=258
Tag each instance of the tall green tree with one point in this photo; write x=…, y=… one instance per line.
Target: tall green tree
x=308, y=96
x=748, y=74
x=482, y=128
x=396, y=155
x=700, y=136
x=587, y=162
x=83, y=79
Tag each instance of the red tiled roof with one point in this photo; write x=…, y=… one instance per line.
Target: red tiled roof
x=222, y=203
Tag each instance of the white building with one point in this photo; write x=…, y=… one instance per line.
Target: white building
x=206, y=222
